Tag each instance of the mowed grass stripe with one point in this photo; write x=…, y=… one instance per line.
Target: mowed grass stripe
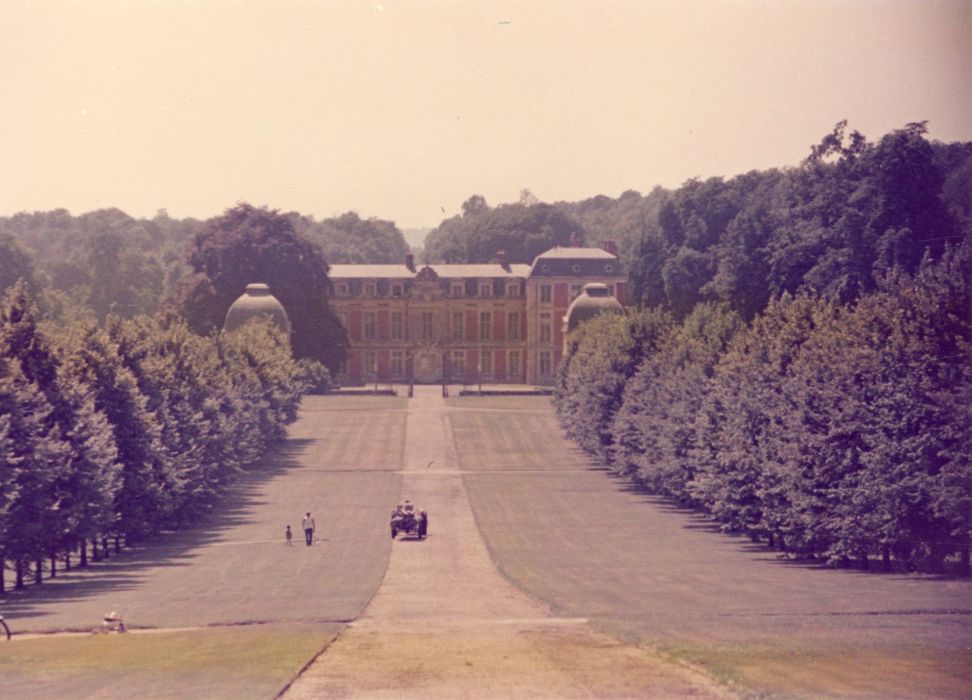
x=489, y=440
x=350, y=440
x=592, y=545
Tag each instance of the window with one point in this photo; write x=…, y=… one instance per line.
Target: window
x=545, y=363
x=545, y=295
x=575, y=268
x=397, y=363
x=398, y=291
x=545, y=328
x=513, y=290
x=428, y=327
x=343, y=318
x=486, y=290
x=370, y=290
x=512, y=326
x=513, y=364
x=369, y=325
x=458, y=368
x=458, y=325
x=486, y=364
x=370, y=365
x=609, y=268
x=575, y=290
x=397, y=326
x=485, y=325
x=341, y=289
x=458, y=290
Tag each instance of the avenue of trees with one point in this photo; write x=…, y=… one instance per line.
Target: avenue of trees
x=795, y=363
x=116, y=431
x=800, y=368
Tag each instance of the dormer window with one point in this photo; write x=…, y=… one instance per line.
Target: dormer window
x=575, y=268
x=370, y=290
x=609, y=268
x=486, y=290
x=458, y=290
x=341, y=289
x=398, y=291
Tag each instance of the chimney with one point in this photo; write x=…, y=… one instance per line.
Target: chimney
x=611, y=247
x=410, y=261
x=501, y=257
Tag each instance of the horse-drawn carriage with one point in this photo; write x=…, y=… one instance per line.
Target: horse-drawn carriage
x=407, y=521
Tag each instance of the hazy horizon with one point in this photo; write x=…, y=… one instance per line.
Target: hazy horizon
x=402, y=110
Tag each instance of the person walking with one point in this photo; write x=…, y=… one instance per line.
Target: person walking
x=309, y=527
x=288, y=535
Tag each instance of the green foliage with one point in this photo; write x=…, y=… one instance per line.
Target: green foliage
x=15, y=263
x=834, y=431
x=656, y=425
x=313, y=376
x=602, y=356
x=32, y=456
x=86, y=483
x=523, y=231
x=128, y=428
x=248, y=245
x=348, y=239
x=835, y=226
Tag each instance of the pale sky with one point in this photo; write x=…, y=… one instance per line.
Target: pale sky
x=402, y=110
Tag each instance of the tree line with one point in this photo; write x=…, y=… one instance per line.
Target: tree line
x=118, y=430
x=106, y=261
x=797, y=364
x=826, y=429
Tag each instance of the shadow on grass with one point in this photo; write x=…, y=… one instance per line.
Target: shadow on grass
x=696, y=519
x=168, y=549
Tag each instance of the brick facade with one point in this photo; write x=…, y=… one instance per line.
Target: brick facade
x=496, y=323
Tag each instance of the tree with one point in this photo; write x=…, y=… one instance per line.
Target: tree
x=523, y=231
x=248, y=245
x=148, y=480
x=15, y=263
x=86, y=484
x=349, y=239
x=655, y=428
x=603, y=354
x=32, y=455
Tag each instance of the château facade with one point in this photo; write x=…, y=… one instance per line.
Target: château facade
x=465, y=323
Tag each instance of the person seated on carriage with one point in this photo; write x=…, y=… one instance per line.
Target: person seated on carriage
x=409, y=508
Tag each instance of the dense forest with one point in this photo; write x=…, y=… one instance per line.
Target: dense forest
x=795, y=363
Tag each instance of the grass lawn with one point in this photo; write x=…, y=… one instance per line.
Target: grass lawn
x=254, y=661
x=649, y=573
x=758, y=671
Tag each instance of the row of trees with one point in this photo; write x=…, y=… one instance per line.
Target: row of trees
x=126, y=428
x=831, y=430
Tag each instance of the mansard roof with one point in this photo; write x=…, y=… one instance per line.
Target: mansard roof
x=445, y=270
x=575, y=253
x=572, y=261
